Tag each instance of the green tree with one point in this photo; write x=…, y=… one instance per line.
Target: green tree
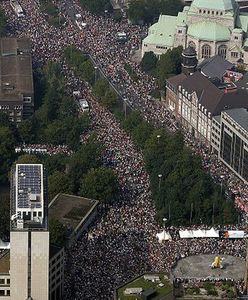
x=109, y=99
x=100, y=184
x=87, y=156
x=149, y=62
x=27, y=159
x=136, y=11
x=141, y=133
x=58, y=182
x=88, y=71
x=7, y=154
x=3, y=22
x=57, y=232
x=97, y=6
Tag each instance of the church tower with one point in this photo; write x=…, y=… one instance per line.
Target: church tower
x=189, y=61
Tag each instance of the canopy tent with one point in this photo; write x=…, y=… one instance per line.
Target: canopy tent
x=163, y=236
x=199, y=233
x=234, y=234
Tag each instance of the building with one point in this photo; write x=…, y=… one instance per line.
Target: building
x=29, y=236
x=232, y=140
x=30, y=268
x=210, y=27
x=17, y=92
x=74, y=212
x=195, y=97
x=56, y=274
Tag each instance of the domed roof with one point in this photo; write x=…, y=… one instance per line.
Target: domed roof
x=209, y=31
x=215, y=4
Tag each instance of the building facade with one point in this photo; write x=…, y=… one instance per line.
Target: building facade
x=233, y=150
x=210, y=27
x=17, y=93
x=29, y=236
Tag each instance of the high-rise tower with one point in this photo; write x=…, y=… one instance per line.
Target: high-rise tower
x=29, y=236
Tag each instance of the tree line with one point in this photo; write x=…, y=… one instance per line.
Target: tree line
x=148, y=11
x=56, y=121
x=84, y=68
x=182, y=191
x=169, y=64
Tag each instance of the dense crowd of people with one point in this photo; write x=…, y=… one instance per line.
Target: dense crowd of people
x=43, y=149
x=122, y=241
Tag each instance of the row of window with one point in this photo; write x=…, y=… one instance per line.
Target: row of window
x=212, y=12
x=4, y=281
x=2, y=293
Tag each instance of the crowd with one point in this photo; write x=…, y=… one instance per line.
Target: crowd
x=122, y=242
x=43, y=149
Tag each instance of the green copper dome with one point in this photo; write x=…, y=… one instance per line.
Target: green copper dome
x=215, y=4
x=209, y=31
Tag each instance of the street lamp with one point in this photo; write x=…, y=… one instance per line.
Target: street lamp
x=125, y=107
x=95, y=67
x=158, y=137
x=159, y=181
x=164, y=220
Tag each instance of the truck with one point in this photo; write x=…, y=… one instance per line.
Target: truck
x=79, y=21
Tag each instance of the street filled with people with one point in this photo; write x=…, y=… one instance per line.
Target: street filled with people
x=122, y=241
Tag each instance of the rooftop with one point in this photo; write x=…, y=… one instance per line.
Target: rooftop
x=15, y=68
x=5, y=262
x=209, y=31
x=239, y=115
x=213, y=4
x=29, y=186
x=146, y=285
x=215, y=67
x=70, y=210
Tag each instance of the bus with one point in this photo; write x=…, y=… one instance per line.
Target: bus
x=84, y=105
x=122, y=37
x=17, y=8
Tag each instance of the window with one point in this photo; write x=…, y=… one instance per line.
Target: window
x=212, y=12
x=179, y=31
x=221, y=13
x=234, y=54
x=236, y=37
x=206, y=51
x=8, y=281
x=8, y=292
x=1, y=292
x=217, y=13
x=222, y=51
x=2, y=281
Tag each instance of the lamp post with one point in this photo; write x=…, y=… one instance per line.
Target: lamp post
x=125, y=107
x=158, y=137
x=159, y=181
x=95, y=67
x=164, y=220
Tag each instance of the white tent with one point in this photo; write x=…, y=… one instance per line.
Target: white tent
x=163, y=236
x=199, y=233
x=234, y=234
x=186, y=234
x=212, y=233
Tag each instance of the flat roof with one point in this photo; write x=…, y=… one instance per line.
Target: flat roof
x=15, y=68
x=5, y=263
x=240, y=116
x=29, y=186
x=70, y=210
